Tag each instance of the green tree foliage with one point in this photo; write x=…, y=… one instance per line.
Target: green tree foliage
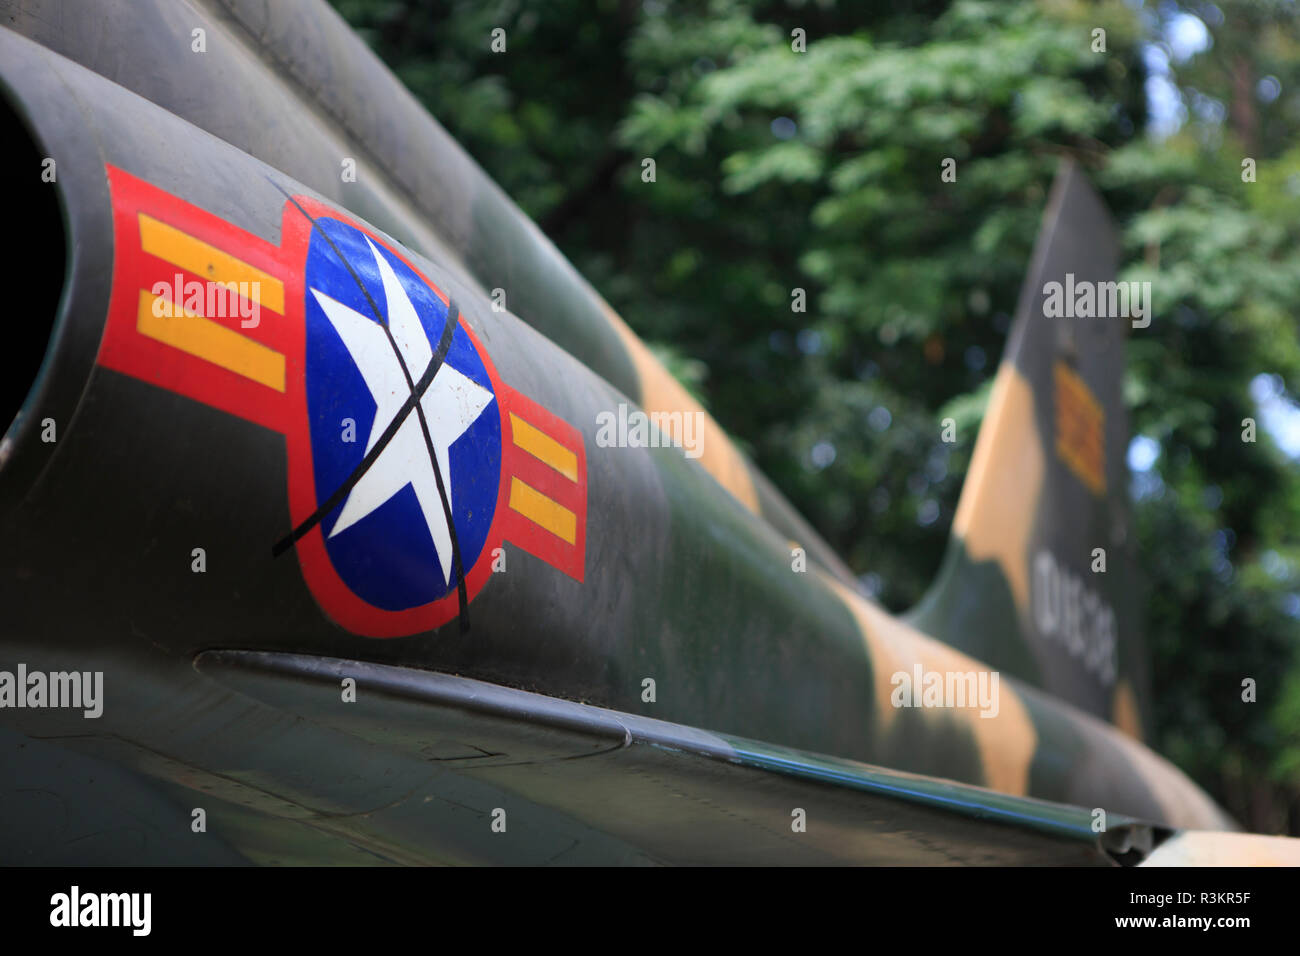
x=820, y=171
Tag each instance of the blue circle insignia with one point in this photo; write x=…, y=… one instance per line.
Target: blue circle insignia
x=388, y=537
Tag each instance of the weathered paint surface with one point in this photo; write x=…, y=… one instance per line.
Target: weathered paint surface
x=679, y=580
x=301, y=92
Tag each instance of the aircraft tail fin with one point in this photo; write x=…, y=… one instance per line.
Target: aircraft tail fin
x=1038, y=576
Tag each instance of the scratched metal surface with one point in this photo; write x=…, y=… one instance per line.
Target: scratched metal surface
x=413, y=771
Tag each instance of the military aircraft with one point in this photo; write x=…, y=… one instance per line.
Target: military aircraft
x=344, y=522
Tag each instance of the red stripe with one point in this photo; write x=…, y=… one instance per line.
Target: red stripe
x=523, y=532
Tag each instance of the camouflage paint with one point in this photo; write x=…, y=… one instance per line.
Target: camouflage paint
x=302, y=92
x=682, y=583
x=1048, y=482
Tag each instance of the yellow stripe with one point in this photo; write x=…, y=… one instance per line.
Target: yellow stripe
x=541, y=445
x=210, y=341
x=183, y=250
x=538, y=508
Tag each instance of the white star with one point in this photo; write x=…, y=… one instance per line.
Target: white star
x=451, y=405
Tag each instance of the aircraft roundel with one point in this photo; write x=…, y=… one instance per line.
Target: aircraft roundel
x=389, y=539
x=409, y=461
